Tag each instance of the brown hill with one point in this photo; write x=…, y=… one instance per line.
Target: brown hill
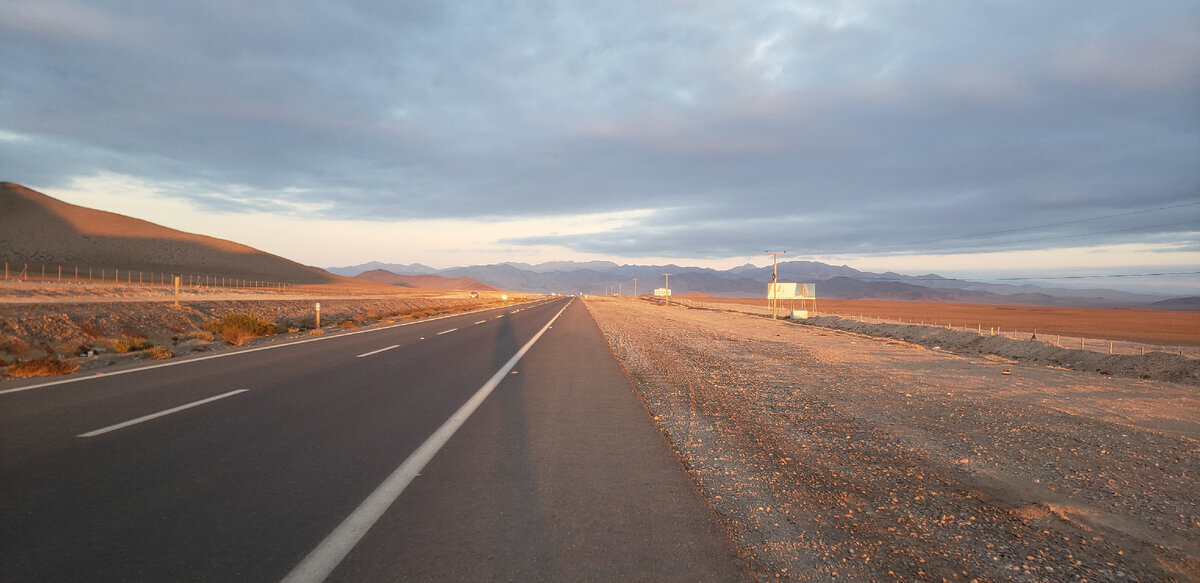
x=39, y=230
x=424, y=281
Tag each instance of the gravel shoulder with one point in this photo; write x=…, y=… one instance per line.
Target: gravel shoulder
x=828, y=454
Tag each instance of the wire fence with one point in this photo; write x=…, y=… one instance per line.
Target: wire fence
x=103, y=275
x=1052, y=339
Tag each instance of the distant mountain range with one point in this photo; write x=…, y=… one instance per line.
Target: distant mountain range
x=424, y=281
x=834, y=282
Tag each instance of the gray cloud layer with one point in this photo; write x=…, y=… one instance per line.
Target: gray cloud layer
x=870, y=127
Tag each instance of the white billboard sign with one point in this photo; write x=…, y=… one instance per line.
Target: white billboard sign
x=808, y=291
x=662, y=292
x=781, y=291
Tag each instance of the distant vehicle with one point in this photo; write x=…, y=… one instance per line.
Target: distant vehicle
x=474, y=294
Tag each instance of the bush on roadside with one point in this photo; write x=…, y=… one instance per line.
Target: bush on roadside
x=348, y=324
x=237, y=329
x=41, y=367
x=204, y=335
x=159, y=353
x=127, y=343
x=15, y=347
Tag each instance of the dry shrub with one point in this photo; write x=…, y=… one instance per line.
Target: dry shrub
x=159, y=353
x=15, y=347
x=359, y=318
x=252, y=323
x=237, y=329
x=293, y=330
x=348, y=324
x=236, y=336
x=316, y=332
x=129, y=343
x=204, y=335
x=42, y=367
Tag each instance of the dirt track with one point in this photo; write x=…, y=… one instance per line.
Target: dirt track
x=828, y=454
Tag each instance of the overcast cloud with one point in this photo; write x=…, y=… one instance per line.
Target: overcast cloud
x=866, y=127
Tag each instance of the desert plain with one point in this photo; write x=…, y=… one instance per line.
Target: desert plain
x=831, y=455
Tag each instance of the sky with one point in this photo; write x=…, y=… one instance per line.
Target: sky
x=984, y=139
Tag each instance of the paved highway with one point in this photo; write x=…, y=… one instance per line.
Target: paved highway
x=503, y=444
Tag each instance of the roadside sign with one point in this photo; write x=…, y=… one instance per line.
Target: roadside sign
x=781, y=291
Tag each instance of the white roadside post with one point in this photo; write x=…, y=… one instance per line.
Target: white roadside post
x=318, y=314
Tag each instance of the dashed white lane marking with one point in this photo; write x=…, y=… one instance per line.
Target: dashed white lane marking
x=326, y=557
x=481, y=322
x=378, y=351
x=104, y=430
x=446, y=331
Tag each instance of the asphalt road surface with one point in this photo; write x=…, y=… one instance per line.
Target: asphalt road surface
x=501, y=445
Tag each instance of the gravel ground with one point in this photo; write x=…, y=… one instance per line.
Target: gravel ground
x=830, y=455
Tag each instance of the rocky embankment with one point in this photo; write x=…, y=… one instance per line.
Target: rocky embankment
x=89, y=330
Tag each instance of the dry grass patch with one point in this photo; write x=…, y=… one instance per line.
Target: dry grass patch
x=159, y=353
x=41, y=367
x=204, y=335
x=125, y=344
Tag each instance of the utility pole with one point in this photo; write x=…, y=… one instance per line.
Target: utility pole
x=668, y=284
x=774, y=279
x=621, y=289
x=634, y=284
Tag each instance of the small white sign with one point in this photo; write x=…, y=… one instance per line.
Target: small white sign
x=662, y=292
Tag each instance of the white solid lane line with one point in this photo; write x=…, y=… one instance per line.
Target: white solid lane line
x=446, y=331
x=325, y=558
x=378, y=351
x=104, y=430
